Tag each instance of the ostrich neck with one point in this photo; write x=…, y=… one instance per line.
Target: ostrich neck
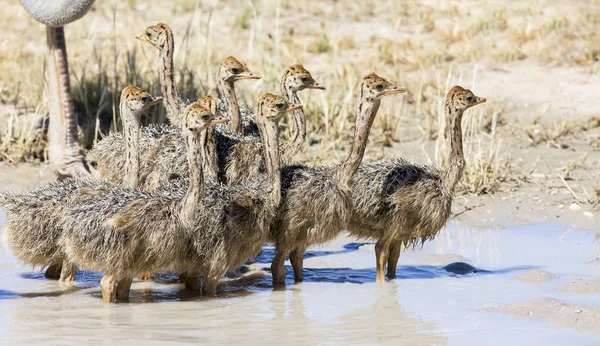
x=456, y=157
x=193, y=199
x=298, y=125
x=365, y=116
x=209, y=159
x=172, y=101
x=131, y=129
x=269, y=134
x=226, y=92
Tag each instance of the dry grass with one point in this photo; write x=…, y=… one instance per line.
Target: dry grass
x=411, y=42
x=551, y=134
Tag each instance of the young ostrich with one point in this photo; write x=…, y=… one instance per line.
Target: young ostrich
x=158, y=163
x=243, y=159
x=32, y=232
x=399, y=203
x=317, y=201
x=238, y=158
x=205, y=229
x=232, y=70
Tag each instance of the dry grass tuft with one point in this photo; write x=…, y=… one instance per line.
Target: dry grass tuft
x=538, y=133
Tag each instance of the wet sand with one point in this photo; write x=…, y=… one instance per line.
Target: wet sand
x=339, y=302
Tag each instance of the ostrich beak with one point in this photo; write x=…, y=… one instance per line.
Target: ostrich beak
x=317, y=86
x=393, y=90
x=156, y=100
x=143, y=38
x=220, y=120
x=479, y=100
x=292, y=107
x=247, y=75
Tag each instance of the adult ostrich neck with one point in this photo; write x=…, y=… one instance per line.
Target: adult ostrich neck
x=64, y=150
x=298, y=126
x=226, y=91
x=172, y=100
x=365, y=115
x=456, y=159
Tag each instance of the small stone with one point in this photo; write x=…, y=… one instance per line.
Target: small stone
x=575, y=206
x=588, y=214
x=561, y=206
x=538, y=175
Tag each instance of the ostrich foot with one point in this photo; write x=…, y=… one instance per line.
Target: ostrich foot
x=73, y=164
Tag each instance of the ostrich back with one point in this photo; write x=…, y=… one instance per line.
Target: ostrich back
x=33, y=219
x=163, y=156
x=314, y=208
x=109, y=158
x=406, y=201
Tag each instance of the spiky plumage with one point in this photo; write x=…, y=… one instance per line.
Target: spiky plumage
x=402, y=204
x=33, y=228
x=239, y=156
x=317, y=201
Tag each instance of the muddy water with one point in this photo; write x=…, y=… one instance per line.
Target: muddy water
x=430, y=304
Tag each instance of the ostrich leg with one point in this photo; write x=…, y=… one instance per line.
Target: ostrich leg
x=64, y=151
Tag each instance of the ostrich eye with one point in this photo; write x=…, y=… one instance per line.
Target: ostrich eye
x=379, y=87
x=305, y=80
x=470, y=99
x=236, y=70
x=206, y=117
x=280, y=106
x=145, y=98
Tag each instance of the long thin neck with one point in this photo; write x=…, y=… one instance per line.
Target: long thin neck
x=226, y=92
x=270, y=140
x=364, y=120
x=209, y=159
x=172, y=101
x=456, y=158
x=193, y=199
x=298, y=125
x=131, y=129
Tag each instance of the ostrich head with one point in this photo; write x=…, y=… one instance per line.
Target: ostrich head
x=462, y=99
x=231, y=70
x=137, y=99
x=374, y=88
x=157, y=35
x=272, y=107
x=56, y=12
x=296, y=78
x=198, y=118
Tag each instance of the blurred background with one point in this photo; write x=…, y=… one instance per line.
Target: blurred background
x=537, y=63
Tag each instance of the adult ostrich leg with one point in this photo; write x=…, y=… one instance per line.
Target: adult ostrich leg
x=65, y=152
